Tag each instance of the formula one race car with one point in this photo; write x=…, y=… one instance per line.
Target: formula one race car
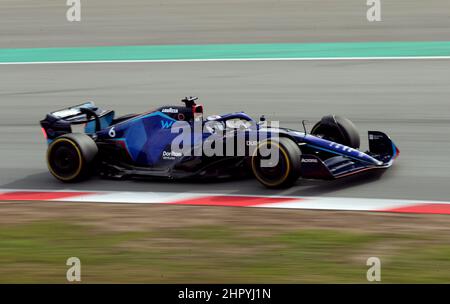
x=170, y=143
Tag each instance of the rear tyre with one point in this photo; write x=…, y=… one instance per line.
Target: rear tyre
x=337, y=129
x=279, y=169
x=70, y=157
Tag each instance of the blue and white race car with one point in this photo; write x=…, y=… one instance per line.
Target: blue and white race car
x=178, y=142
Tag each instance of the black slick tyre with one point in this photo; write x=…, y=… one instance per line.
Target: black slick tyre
x=337, y=129
x=281, y=170
x=70, y=157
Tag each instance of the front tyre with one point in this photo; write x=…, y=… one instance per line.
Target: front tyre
x=338, y=129
x=281, y=167
x=70, y=157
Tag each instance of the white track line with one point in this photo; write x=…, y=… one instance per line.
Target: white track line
x=169, y=196
x=231, y=59
x=131, y=197
x=342, y=203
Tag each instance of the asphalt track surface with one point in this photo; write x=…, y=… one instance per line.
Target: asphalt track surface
x=408, y=99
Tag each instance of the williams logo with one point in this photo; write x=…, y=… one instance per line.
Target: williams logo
x=166, y=124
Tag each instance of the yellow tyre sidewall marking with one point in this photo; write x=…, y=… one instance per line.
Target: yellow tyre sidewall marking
x=287, y=160
x=79, y=155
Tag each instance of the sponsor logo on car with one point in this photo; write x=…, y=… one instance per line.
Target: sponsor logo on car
x=346, y=149
x=171, y=154
x=309, y=160
x=169, y=110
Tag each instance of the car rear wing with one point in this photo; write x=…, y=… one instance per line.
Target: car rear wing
x=60, y=122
